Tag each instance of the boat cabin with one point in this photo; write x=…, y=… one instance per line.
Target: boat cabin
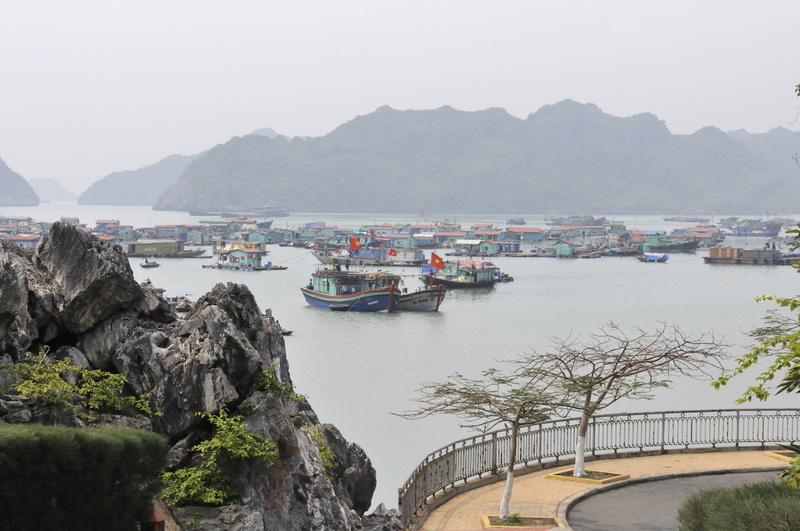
x=335, y=282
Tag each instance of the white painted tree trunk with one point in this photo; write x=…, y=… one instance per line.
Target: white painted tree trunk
x=580, y=449
x=506, y=495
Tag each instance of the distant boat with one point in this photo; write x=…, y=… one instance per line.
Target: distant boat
x=464, y=274
x=371, y=256
x=181, y=303
x=689, y=219
x=653, y=257
x=241, y=256
x=516, y=221
x=149, y=263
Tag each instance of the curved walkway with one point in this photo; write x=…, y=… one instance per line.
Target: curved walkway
x=536, y=495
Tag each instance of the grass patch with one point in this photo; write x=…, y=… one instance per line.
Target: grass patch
x=755, y=507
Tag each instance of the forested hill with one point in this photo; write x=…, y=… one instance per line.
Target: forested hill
x=136, y=187
x=567, y=157
x=14, y=189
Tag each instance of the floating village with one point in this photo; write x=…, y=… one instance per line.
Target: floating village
x=354, y=272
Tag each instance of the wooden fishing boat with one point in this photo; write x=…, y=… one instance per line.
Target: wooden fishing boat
x=356, y=291
x=460, y=274
x=422, y=300
x=345, y=291
x=366, y=257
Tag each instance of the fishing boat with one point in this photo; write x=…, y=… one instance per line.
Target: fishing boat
x=356, y=290
x=352, y=291
x=241, y=256
x=653, y=257
x=459, y=274
x=373, y=257
x=149, y=263
x=426, y=299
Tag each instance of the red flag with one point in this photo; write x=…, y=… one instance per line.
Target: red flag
x=392, y=252
x=436, y=261
x=354, y=244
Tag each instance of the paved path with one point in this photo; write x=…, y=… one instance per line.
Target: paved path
x=536, y=495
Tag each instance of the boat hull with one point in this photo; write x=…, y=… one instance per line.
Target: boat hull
x=244, y=268
x=462, y=284
x=377, y=300
x=422, y=300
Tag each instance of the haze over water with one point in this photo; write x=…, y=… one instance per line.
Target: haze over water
x=356, y=369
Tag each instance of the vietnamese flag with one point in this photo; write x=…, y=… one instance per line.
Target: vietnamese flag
x=354, y=244
x=392, y=252
x=436, y=261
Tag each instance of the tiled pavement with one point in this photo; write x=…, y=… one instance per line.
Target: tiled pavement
x=535, y=495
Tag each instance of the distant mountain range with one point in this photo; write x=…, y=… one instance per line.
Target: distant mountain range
x=14, y=189
x=136, y=187
x=51, y=190
x=567, y=157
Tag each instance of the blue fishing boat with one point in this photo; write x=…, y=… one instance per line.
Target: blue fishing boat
x=354, y=291
x=653, y=257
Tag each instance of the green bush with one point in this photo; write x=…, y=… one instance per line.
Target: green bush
x=267, y=382
x=207, y=484
x=756, y=507
x=54, y=477
x=42, y=378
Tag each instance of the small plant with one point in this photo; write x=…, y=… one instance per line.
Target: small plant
x=325, y=453
x=514, y=518
x=42, y=378
x=267, y=382
x=207, y=484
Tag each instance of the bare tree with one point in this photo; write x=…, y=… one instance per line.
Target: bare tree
x=512, y=398
x=612, y=365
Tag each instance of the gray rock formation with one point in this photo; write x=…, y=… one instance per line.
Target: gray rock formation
x=77, y=296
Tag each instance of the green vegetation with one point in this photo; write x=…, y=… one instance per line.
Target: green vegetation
x=325, y=453
x=208, y=483
x=54, y=477
x=267, y=382
x=766, y=505
x=762, y=506
x=41, y=377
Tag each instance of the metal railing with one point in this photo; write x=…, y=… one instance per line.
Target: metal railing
x=550, y=441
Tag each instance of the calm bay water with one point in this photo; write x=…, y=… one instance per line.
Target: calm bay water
x=357, y=369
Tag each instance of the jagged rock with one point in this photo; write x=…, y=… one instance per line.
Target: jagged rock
x=94, y=279
x=383, y=519
x=78, y=296
x=357, y=476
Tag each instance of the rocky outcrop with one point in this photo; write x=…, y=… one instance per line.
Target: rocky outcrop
x=78, y=297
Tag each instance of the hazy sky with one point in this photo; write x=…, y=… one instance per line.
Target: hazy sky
x=92, y=87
